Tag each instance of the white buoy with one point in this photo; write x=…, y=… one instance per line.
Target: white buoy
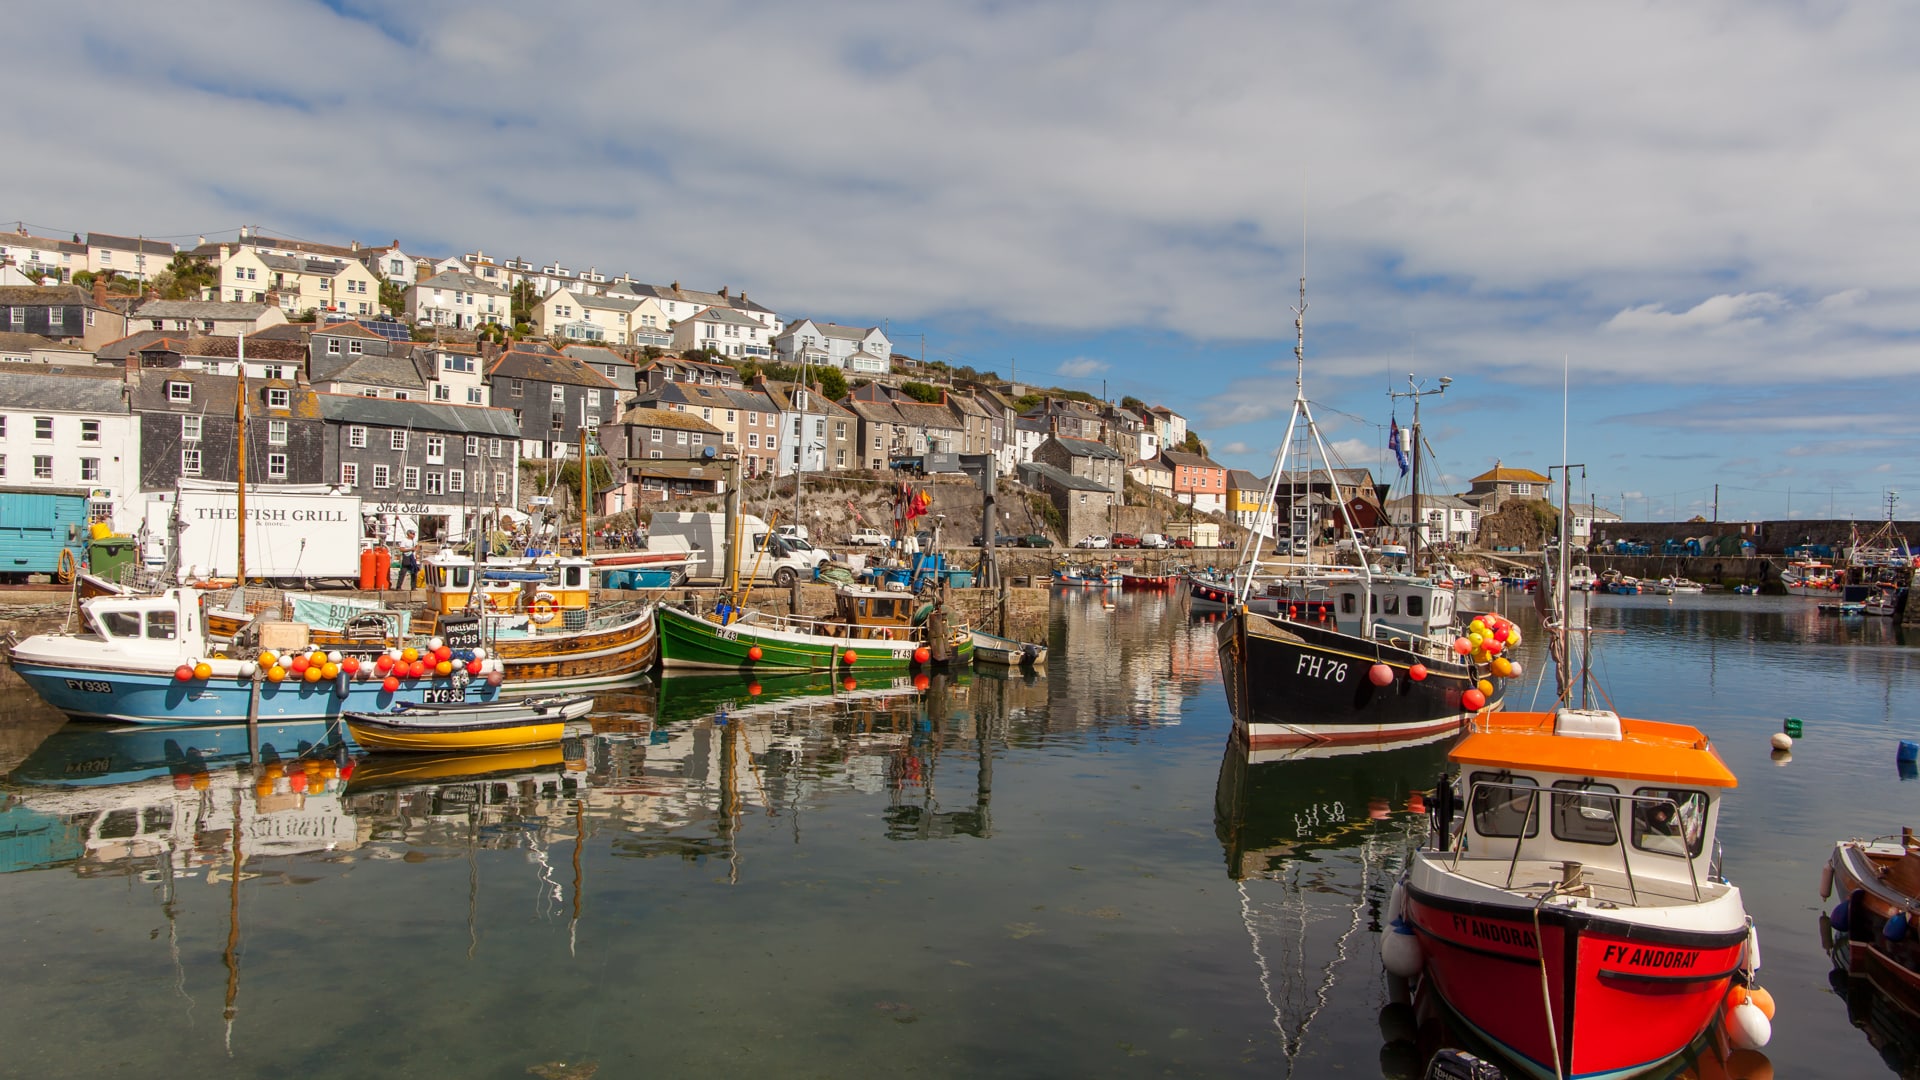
x=1748, y=1027
x=1400, y=951
x=1782, y=741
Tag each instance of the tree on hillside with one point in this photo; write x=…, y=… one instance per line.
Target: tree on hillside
x=521, y=303
x=920, y=391
x=186, y=278
x=832, y=383
x=1028, y=402
x=393, y=298
x=1133, y=403
x=1192, y=444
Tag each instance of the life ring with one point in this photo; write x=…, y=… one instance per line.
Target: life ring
x=544, y=605
x=886, y=633
x=66, y=567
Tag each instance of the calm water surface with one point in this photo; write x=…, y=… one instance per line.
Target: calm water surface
x=1074, y=875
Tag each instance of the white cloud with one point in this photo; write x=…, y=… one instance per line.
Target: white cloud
x=1744, y=310
x=1081, y=367
x=1234, y=447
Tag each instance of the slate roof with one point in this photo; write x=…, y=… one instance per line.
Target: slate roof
x=18, y=342
x=214, y=394
x=548, y=367
x=1433, y=502
x=1063, y=478
x=129, y=243
x=259, y=348
x=642, y=416
x=1242, y=480
x=749, y=400
x=370, y=368
x=283, y=332
x=116, y=351
x=1086, y=447
x=724, y=316
x=45, y=295
x=1347, y=478
x=1192, y=461
x=59, y=388
x=418, y=415
x=621, y=304
x=199, y=309
x=349, y=330
x=693, y=296
x=454, y=279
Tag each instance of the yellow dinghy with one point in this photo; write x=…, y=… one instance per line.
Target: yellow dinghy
x=500, y=725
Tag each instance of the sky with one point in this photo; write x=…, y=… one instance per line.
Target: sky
x=1701, y=216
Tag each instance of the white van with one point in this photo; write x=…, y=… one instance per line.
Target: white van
x=1153, y=540
x=706, y=532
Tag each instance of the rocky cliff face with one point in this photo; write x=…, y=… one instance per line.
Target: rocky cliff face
x=1525, y=523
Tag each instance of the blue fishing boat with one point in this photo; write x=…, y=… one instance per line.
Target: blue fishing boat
x=146, y=660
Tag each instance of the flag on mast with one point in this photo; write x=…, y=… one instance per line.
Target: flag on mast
x=1393, y=444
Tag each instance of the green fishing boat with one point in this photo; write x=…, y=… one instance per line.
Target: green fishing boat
x=877, y=628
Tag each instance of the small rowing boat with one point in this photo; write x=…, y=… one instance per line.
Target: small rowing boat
x=501, y=725
x=994, y=649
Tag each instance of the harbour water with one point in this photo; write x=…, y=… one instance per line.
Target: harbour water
x=1075, y=874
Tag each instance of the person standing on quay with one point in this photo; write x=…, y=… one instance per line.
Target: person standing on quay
x=409, y=570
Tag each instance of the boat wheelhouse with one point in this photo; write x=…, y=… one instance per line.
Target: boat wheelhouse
x=1576, y=917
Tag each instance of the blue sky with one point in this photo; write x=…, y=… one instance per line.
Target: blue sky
x=1706, y=210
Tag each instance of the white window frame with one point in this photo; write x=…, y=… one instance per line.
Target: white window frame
x=382, y=476
x=276, y=433
x=189, y=461
x=89, y=431
x=357, y=436
x=277, y=466
x=350, y=474
x=410, y=478
x=180, y=392
x=278, y=397
x=190, y=429
x=397, y=440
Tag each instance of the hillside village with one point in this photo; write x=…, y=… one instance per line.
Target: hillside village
x=439, y=388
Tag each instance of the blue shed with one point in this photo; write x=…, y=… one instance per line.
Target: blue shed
x=36, y=525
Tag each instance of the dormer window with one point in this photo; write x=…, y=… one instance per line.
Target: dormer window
x=180, y=391
x=278, y=398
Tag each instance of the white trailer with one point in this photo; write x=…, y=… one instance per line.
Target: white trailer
x=294, y=532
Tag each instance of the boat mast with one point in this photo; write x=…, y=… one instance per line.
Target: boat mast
x=240, y=467
x=583, y=487
x=1417, y=523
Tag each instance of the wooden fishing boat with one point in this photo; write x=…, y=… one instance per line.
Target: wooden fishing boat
x=1871, y=936
x=507, y=724
x=1577, y=917
x=869, y=628
x=994, y=649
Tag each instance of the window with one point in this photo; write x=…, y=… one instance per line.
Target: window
x=753, y=418
x=333, y=346
x=278, y=398
x=43, y=428
x=190, y=429
x=179, y=391
x=476, y=396
x=473, y=446
x=1674, y=826
x=3, y=464
x=839, y=459
x=593, y=398
x=454, y=362
x=513, y=387
x=770, y=441
x=456, y=481
x=707, y=414
x=679, y=437
x=559, y=395
x=356, y=436
x=100, y=511
x=1523, y=489
x=276, y=433
x=356, y=348
x=42, y=467
x=436, y=449
x=1584, y=819
x=442, y=392
x=496, y=448
x=350, y=474
x=189, y=461
x=370, y=392
x=436, y=484
x=276, y=466
x=1500, y=811
x=1416, y=606
x=753, y=439
x=396, y=440
x=410, y=477
x=655, y=455
x=1348, y=603
x=382, y=476
x=499, y=485
x=402, y=395
x=1390, y=604
x=90, y=468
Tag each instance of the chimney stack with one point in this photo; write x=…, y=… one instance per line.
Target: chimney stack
x=100, y=291
x=422, y=270
x=723, y=292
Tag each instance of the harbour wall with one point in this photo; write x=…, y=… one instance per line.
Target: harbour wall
x=1768, y=537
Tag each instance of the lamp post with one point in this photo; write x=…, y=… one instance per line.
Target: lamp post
x=1417, y=524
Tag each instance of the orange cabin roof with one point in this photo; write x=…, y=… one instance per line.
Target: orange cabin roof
x=1648, y=750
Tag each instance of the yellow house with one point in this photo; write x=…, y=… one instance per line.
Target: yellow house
x=298, y=283
x=1247, y=499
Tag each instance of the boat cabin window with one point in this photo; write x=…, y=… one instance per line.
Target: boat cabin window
x=1415, y=606
x=570, y=576
x=1584, y=819
x=1502, y=810
x=1675, y=826
x=121, y=624
x=1347, y=606
x=460, y=577
x=160, y=625
x=1390, y=604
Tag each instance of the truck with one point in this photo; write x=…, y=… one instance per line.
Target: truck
x=296, y=533
x=706, y=533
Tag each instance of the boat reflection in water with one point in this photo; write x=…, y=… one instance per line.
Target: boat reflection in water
x=1314, y=838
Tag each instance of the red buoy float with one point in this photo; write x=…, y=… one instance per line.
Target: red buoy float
x=754, y=653
x=849, y=656
x=183, y=673
x=1418, y=672
x=1380, y=675
x=1473, y=700
x=922, y=654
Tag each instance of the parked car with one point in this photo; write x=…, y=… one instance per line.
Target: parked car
x=868, y=537
x=1183, y=541
x=1125, y=540
x=999, y=540
x=1094, y=542
x=1153, y=540
x=1036, y=540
